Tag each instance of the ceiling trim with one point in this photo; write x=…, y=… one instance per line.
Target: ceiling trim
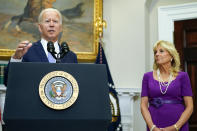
x=168, y=14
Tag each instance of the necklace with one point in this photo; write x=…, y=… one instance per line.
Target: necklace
x=163, y=83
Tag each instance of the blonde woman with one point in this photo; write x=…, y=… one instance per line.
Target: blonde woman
x=166, y=98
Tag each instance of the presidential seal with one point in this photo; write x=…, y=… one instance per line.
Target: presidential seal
x=58, y=90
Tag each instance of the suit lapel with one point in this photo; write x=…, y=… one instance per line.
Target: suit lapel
x=41, y=52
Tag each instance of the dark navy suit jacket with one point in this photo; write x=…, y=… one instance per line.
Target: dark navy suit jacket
x=36, y=53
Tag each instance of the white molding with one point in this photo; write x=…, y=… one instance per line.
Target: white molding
x=168, y=14
x=148, y=3
x=2, y=88
x=2, y=100
x=126, y=102
x=129, y=91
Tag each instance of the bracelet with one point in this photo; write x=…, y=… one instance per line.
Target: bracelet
x=175, y=126
x=152, y=127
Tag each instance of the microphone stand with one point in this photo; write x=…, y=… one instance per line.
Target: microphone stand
x=58, y=58
x=64, y=50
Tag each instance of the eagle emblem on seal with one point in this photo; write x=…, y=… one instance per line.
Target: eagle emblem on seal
x=58, y=90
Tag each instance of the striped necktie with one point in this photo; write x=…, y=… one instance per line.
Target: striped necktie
x=51, y=58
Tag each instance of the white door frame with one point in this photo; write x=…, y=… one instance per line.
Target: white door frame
x=168, y=14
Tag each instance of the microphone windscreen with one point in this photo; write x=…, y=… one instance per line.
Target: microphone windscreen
x=50, y=47
x=64, y=47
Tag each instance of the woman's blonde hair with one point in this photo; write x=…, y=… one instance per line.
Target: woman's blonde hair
x=175, y=63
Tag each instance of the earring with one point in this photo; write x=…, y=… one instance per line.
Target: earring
x=171, y=59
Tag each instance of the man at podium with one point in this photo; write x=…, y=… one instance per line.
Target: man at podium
x=50, y=27
x=24, y=109
x=47, y=49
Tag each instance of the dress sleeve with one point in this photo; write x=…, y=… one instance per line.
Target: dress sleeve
x=144, y=86
x=186, y=89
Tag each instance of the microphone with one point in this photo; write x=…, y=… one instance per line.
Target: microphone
x=64, y=49
x=51, y=49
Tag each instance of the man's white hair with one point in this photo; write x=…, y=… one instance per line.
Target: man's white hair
x=40, y=17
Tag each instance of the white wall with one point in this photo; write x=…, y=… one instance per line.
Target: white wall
x=124, y=41
x=124, y=46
